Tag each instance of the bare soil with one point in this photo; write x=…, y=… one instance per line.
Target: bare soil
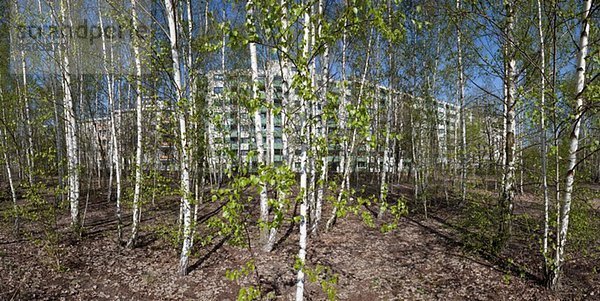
x=423, y=259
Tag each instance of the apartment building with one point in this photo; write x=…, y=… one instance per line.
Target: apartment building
x=231, y=128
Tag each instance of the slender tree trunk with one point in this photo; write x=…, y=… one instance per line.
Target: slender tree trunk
x=556, y=132
x=270, y=122
x=285, y=84
x=521, y=167
x=272, y=230
x=28, y=123
x=413, y=148
x=573, y=142
x=138, y=151
x=258, y=137
x=286, y=89
x=463, y=126
x=323, y=143
x=192, y=74
x=7, y=161
x=59, y=136
x=171, y=13
x=504, y=116
x=70, y=128
x=114, y=146
x=384, y=169
x=388, y=108
x=508, y=190
x=344, y=101
x=304, y=133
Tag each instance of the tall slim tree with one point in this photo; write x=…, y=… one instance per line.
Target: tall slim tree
x=258, y=137
x=114, y=150
x=461, y=99
x=138, y=109
x=388, y=109
x=508, y=189
x=322, y=135
x=543, y=151
x=178, y=83
x=304, y=136
x=70, y=122
x=578, y=110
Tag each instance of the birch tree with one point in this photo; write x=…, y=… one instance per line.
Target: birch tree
x=178, y=83
x=544, y=155
x=508, y=189
x=388, y=120
x=304, y=136
x=258, y=137
x=7, y=159
x=578, y=109
x=114, y=151
x=28, y=118
x=322, y=135
x=138, y=109
x=70, y=123
x=461, y=99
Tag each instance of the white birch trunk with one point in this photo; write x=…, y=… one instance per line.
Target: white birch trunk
x=285, y=84
x=70, y=128
x=192, y=99
x=138, y=150
x=114, y=146
x=7, y=161
x=504, y=116
x=286, y=90
x=13, y=193
x=344, y=102
x=258, y=137
x=272, y=231
x=304, y=133
x=384, y=168
x=270, y=122
x=508, y=190
x=388, y=121
x=28, y=125
x=323, y=124
x=573, y=142
x=463, y=126
x=171, y=13
x=543, y=133
x=312, y=130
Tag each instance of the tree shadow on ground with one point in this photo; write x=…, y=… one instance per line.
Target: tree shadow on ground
x=289, y=230
x=494, y=261
x=206, y=256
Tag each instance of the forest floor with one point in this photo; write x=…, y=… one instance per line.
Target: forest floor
x=433, y=258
